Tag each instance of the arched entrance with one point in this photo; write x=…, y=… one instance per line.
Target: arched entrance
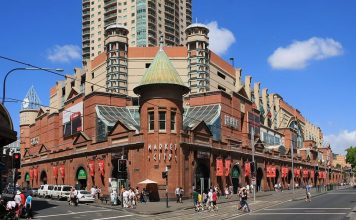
x=27, y=180
x=43, y=177
x=259, y=179
x=81, y=178
x=202, y=176
x=276, y=179
x=289, y=178
x=235, y=175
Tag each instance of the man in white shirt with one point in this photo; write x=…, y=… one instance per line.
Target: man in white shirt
x=178, y=194
x=93, y=191
x=125, y=195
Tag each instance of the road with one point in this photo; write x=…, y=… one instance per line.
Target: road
x=331, y=206
x=53, y=210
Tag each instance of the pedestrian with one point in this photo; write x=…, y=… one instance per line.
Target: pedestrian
x=178, y=194
x=18, y=203
x=143, y=196
x=98, y=192
x=200, y=202
x=125, y=196
x=113, y=197
x=93, y=191
x=195, y=200
x=205, y=199
x=23, y=204
x=29, y=206
x=181, y=195
x=210, y=199
x=276, y=187
x=280, y=187
x=215, y=199
x=244, y=204
x=307, y=193
x=231, y=191
x=226, y=192
x=248, y=188
x=239, y=194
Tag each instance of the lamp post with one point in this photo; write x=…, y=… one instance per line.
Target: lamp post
x=22, y=68
x=253, y=161
x=292, y=155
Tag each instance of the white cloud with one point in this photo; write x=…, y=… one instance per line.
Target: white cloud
x=220, y=39
x=341, y=141
x=64, y=54
x=300, y=53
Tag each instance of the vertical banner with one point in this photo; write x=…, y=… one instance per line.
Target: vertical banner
x=227, y=167
x=247, y=169
x=31, y=174
x=219, y=167
x=91, y=168
x=311, y=173
x=35, y=174
x=62, y=171
x=268, y=171
x=273, y=171
x=285, y=171
x=55, y=172
x=101, y=167
x=305, y=173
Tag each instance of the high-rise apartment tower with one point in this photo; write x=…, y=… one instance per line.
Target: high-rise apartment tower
x=146, y=21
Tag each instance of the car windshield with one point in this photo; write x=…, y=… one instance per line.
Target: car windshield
x=84, y=192
x=50, y=187
x=66, y=188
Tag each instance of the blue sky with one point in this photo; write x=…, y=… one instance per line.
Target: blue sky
x=313, y=69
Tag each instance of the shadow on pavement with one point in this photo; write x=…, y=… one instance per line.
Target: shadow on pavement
x=38, y=205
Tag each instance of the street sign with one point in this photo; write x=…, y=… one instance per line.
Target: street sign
x=253, y=180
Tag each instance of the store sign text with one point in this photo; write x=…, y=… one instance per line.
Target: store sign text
x=163, y=151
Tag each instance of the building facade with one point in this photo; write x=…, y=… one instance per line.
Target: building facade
x=146, y=21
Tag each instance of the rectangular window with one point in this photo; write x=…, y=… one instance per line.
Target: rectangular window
x=173, y=121
x=151, y=121
x=162, y=120
x=221, y=88
x=221, y=75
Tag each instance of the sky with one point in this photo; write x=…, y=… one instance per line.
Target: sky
x=303, y=50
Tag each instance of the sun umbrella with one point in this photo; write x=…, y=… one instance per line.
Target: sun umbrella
x=147, y=181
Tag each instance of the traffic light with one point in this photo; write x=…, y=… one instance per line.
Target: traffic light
x=16, y=160
x=17, y=175
x=122, y=165
x=252, y=167
x=164, y=174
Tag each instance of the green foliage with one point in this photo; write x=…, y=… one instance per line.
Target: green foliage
x=351, y=156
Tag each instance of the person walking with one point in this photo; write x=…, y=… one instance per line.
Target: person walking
x=227, y=193
x=215, y=199
x=181, y=195
x=195, y=200
x=178, y=194
x=18, y=204
x=29, y=206
x=307, y=193
x=93, y=191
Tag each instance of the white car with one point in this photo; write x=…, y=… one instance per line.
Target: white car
x=61, y=191
x=43, y=191
x=51, y=190
x=84, y=196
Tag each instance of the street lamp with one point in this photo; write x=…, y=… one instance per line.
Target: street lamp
x=23, y=68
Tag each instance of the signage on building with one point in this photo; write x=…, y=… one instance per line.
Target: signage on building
x=203, y=155
x=219, y=167
x=271, y=171
x=34, y=140
x=35, y=173
x=31, y=174
x=227, y=167
x=62, y=171
x=165, y=152
x=101, y=167
x=231, y=122
x=91, y=168
x=72, y=119
x=55, y=172
x=247, y=169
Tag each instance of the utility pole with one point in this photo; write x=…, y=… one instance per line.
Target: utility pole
x=253, y=161
x=167, y=187
x=292, y=155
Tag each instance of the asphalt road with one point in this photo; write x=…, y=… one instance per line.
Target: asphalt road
x=53, y=210
x=331, y=206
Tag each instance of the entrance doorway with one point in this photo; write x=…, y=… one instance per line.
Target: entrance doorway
x=259, y=178
x=43, y=177
x=276, y=179
x=235, y=175
x=27, y=180
x=202, y=176
x=81, y=178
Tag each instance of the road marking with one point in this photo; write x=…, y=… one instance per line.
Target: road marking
x=298, y=213
x=72, y=213
x=304, y=208
x=123, y=216
x=342, y=193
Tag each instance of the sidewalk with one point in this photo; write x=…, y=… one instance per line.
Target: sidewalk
x=154, y=208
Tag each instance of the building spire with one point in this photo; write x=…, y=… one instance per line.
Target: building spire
x=31, y=101
x=161, y=42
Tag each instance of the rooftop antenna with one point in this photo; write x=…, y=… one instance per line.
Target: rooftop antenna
x=161, y=43
x=232, y=61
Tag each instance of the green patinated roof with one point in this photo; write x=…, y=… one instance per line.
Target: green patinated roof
x=161, y=71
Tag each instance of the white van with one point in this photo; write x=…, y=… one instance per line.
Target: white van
x=43, y=191
x=52, y=190
x=61, y=191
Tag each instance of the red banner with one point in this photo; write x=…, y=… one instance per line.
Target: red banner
x=55, y=172
x=247, y=169
x=311, y=173
x=35, y=173
x=101, y=166
x=62, y=171
x=31, y=174
x=305, y=173
x=227, y=167
x=91, y=168
x=273, y=171
x=284, y=171
x=296, y=172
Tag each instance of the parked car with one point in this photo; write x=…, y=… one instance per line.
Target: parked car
x=85, y=196
x=34, y=192
x=52, y=191
x=43, y=191
x=61, y=191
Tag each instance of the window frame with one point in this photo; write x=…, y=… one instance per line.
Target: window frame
x=163, y=121
x=173, y=122
x=151, y=113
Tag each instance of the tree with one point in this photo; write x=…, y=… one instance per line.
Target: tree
x=338, y=166
x=351, y=157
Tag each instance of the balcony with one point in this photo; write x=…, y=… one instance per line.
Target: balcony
x=86, y=39
x=109, y=3
x=110, y=16
x=110, y=10
x=86, y=33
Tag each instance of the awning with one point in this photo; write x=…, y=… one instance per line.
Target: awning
x=195, y=114
x=280, y=148
x=110, y=115
x=147, y=181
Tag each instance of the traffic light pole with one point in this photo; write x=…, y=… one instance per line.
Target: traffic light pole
x=15, y=179
x=253, y=160
x=167, y=190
